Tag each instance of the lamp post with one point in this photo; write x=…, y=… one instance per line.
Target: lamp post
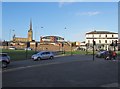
x=64, y=40
x=10, y=35
x=36, y=44
x=64, y=33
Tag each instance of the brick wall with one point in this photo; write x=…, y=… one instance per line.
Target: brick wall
x=44, y=47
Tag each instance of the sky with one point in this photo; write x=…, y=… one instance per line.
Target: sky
x=77, y=17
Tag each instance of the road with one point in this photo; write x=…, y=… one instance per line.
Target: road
x=66, y=71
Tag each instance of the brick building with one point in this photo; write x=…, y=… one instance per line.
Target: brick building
x=51, y=39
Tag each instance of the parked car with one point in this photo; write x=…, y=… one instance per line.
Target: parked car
x=5, y=59
x=12, y=48
x=28, y=48
x=102, y=54
x=42, y=55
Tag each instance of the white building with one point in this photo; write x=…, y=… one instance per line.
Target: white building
x=103, y=39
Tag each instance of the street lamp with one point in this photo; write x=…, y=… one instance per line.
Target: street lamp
x=63, y=34
x=64, y=40
x=36, y=33
x=10, y=35
x=71, y=48
x=36, y=44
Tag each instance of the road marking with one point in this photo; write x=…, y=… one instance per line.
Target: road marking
x=24, y=67
x=38, y=65
x=29, y=66
x=110, y=85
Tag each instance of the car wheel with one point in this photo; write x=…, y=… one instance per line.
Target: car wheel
x=51, y=57
x=4, y=64
x=38, y=58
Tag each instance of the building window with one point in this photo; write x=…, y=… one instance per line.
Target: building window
x=105, y=35
x=100, y=35
x=99, y=41
x=93, y=35
x=112, y=35
x=105, y=41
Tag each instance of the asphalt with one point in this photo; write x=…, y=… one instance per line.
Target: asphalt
x=66, y=71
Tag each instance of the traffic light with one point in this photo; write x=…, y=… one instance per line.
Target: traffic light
x=28, y=44
x=115, y=42
x=94, y=43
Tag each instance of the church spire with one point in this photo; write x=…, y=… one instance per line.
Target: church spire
x=30, y=24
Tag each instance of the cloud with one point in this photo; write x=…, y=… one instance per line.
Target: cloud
x=62, y=3
x=92, y=13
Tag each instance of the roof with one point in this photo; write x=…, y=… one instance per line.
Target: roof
x=101, y=32
x=52, y=36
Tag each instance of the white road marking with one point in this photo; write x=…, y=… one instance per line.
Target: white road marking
x=18, y=68
x=110, y=85
x=38, y=65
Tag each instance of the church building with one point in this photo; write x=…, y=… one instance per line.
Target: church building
x=28, y=39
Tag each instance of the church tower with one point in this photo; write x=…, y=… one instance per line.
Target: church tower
x=30, y=32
